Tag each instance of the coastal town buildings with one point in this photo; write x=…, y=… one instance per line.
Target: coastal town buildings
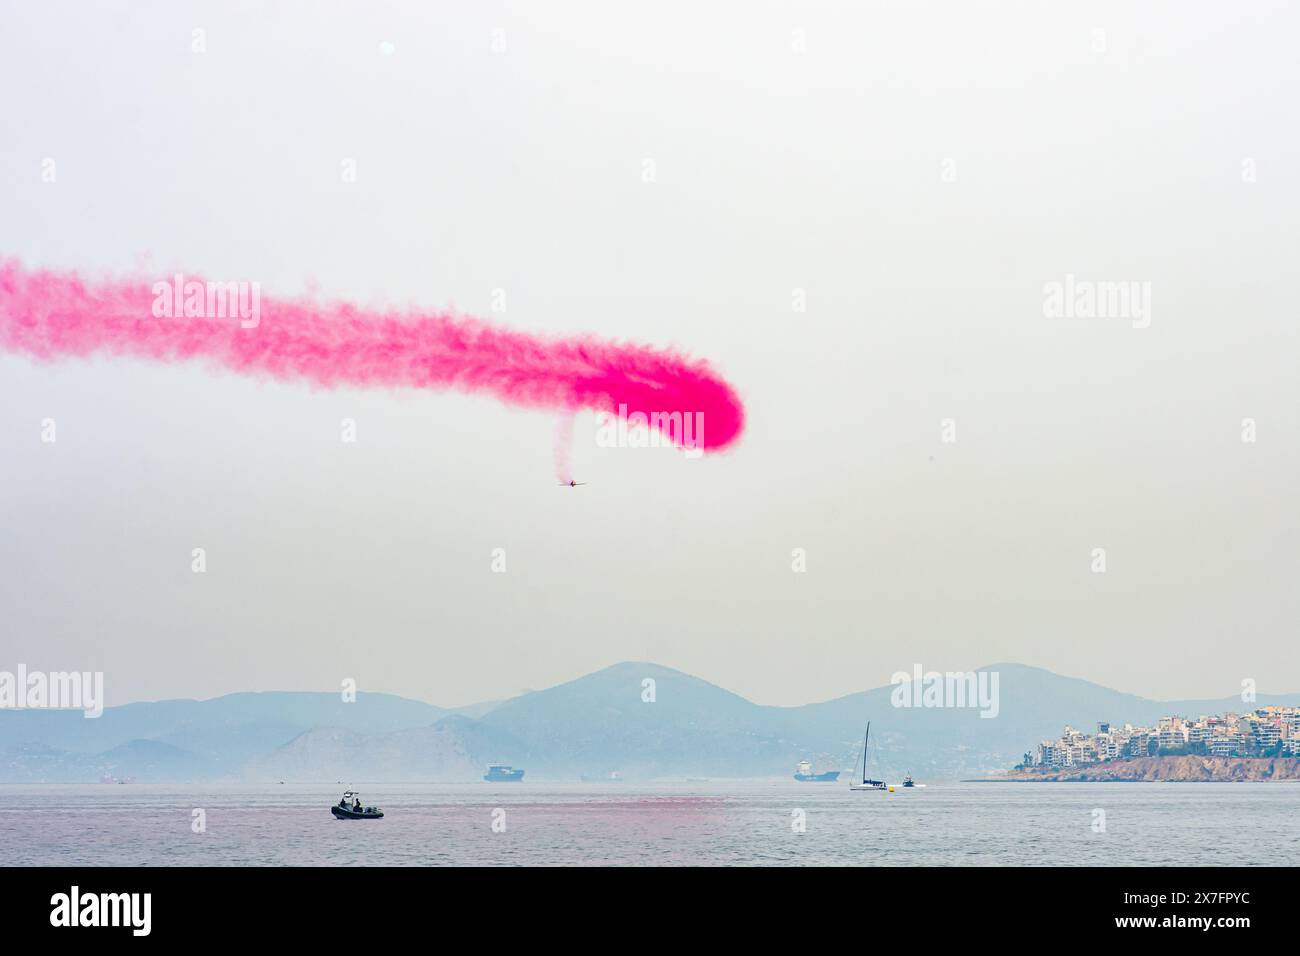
x=1264, y=732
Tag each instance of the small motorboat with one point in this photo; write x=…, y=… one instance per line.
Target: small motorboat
x=349, y=808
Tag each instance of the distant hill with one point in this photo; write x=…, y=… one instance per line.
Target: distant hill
x=1033, y=704
x=599, y=723
x=204, y=738
x=417, y=754
x=585, y=727
x=143, y=760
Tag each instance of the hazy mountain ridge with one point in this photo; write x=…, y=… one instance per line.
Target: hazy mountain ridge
x=186, y=739
x=412, y=755
x=590, y=726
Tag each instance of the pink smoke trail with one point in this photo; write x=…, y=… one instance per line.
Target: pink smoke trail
x=49, y=315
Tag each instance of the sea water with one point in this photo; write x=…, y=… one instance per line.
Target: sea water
x=770, y=822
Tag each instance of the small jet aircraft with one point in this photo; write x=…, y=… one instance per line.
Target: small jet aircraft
x=571, y=483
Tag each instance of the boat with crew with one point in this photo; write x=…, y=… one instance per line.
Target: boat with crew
x=350, y=807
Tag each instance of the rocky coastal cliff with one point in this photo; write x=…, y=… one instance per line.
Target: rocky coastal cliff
x=1177, y=769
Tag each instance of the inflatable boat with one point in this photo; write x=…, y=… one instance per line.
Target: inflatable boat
x=350, y=808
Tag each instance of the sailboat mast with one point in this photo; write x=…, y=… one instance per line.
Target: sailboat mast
x=864, y=752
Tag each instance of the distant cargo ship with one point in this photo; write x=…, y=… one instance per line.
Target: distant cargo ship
x=805, y=774
x=500, y=774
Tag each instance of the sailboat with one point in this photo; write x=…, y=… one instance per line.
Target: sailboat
x=867, y=783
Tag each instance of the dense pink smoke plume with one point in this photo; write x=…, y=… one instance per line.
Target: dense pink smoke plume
x=50, y=315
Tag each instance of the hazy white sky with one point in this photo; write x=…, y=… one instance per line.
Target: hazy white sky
x=921, y=171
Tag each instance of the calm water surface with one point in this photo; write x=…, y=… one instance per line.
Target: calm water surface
x=713, y=823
